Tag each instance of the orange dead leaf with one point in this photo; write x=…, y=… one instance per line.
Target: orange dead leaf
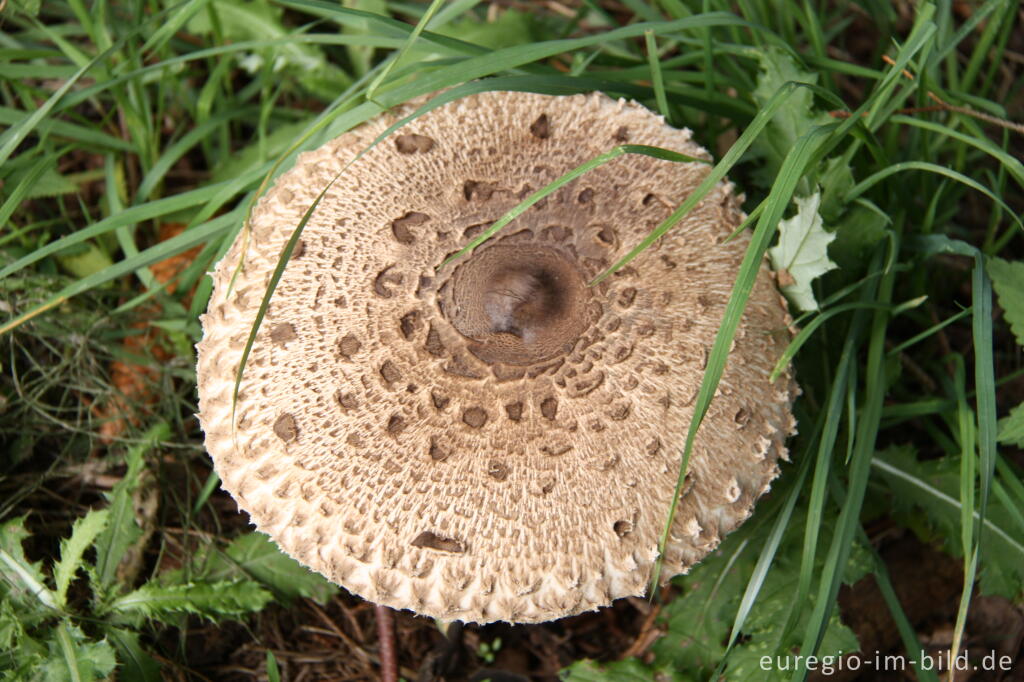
x=134, y=382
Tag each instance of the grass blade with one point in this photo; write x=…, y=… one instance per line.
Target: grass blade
x=782, y=191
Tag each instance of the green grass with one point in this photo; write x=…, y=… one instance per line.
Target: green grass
x=123, y=117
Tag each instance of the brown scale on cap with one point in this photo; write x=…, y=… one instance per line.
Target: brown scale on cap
x=492, y=440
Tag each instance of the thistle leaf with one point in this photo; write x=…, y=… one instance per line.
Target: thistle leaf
x=255, y=556
x=214, y=600
x=83, y=533
x=793, y=119
x=135, y=664
x=122, y=531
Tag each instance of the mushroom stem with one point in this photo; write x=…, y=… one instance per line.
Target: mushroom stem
x=386, y=637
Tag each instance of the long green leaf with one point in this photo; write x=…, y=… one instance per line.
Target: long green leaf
x=135, y=214
x=863, y=446
x=154, y=254
x=83, y=533
x=215, y=600
x=397, y=57
x=718, y=172
x=880, y=175
x=121, y=530
x=793, y=167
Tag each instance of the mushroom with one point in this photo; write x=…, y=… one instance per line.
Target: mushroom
x=495, y=439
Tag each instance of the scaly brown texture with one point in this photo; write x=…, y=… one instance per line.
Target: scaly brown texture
x=494, y=440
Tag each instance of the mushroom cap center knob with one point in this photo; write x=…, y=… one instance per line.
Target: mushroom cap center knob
x=518, y=303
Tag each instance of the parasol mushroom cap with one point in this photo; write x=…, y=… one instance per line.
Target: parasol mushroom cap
x=494, y=440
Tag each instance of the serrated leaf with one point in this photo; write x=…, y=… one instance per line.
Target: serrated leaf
x=25, y=584
x=932, y=489
x=73, y=657
x=18, y=650
x=83, y=533
x=1008, y=281
x=213, y=600
x=1011, y=427
x=255, y=557
x=122, y=531
x=794, y=118
x=49, y=184
x=11, y=628
x=801, y=255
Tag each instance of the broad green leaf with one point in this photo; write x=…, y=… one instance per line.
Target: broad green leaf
x=83, y=532
x=22, y=580
x=507, y=28
x=857, y=233
x=74, y=658
x=255, y=557
x=52, y=184
x=926, y=496
x=275, y=144
x=801, y=255
x=836, y=181
x=794, y=118
x=213, y=600
x=1008, y=281
x=748, y=663
x=83, y=260
x=1011, y=427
